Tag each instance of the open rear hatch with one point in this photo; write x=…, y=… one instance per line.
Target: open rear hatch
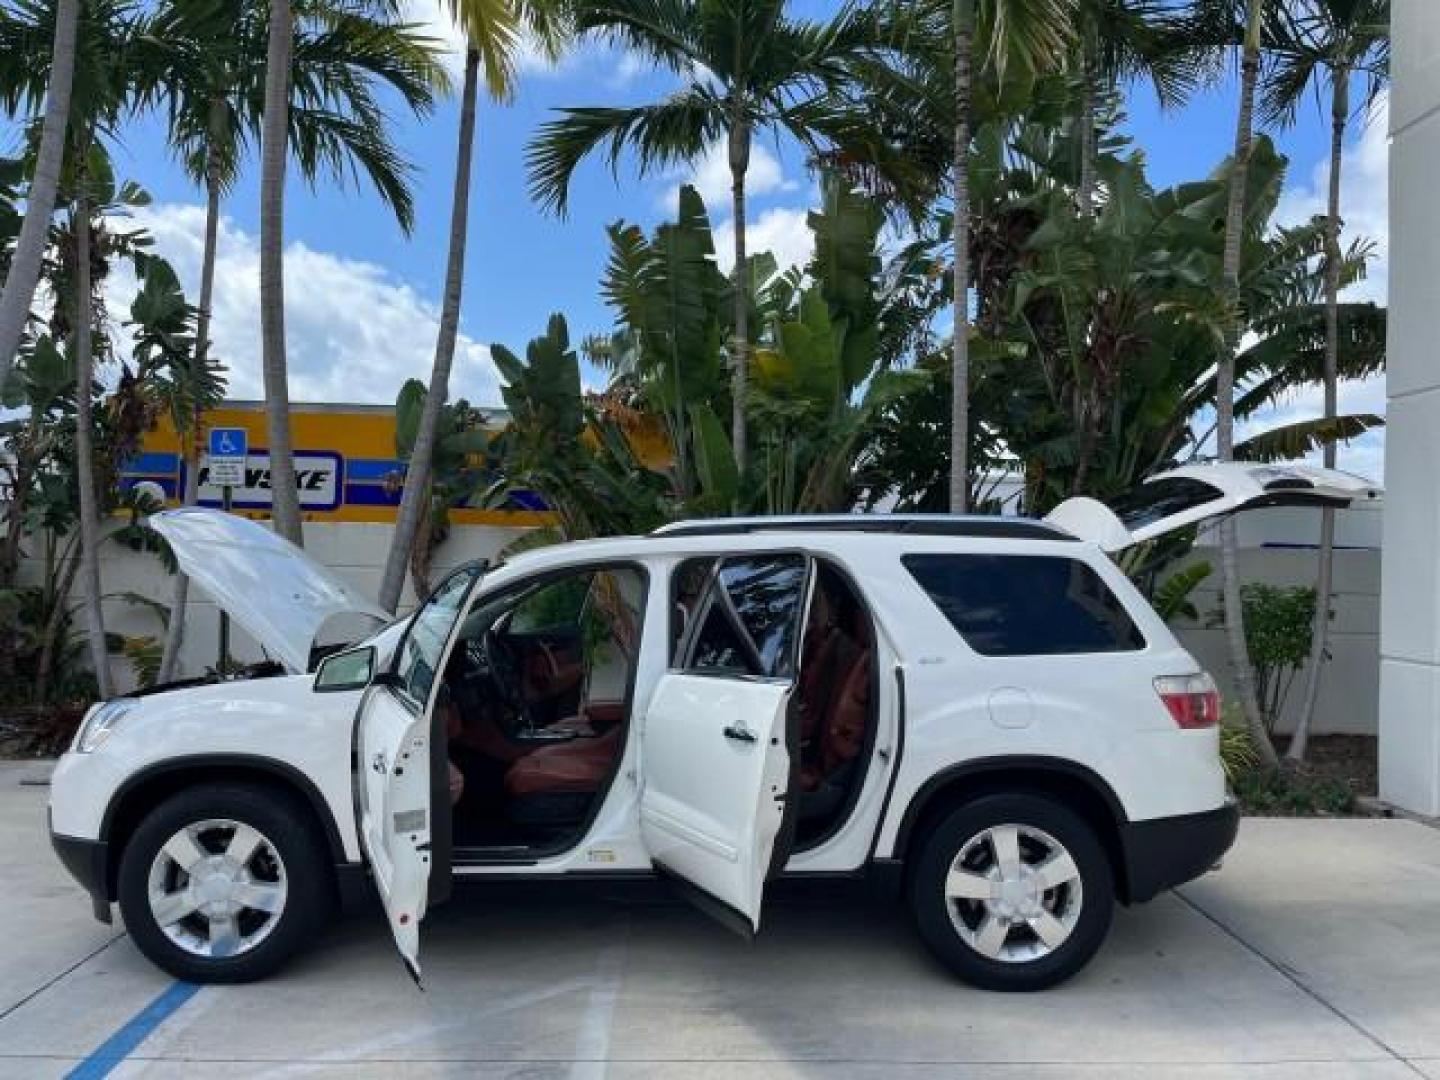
x=1195, y=493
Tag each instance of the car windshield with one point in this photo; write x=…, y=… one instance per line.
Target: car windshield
x=419, y=657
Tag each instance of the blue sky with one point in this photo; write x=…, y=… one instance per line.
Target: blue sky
x=362, y=297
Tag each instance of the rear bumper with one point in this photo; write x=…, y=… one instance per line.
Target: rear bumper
x=88, y=862
x=1164, y=852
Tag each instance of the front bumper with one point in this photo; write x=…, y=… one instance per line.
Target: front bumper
x=1169, y=851
x=89, y=863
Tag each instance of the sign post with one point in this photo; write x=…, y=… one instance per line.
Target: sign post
x=229, y=448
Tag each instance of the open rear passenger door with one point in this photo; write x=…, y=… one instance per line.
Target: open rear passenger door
x=1196, y=493
x=719, y=744
x=401, y=783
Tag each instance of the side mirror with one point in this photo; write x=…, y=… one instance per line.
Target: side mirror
x=351, y=670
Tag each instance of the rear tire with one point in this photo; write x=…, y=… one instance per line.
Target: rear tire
x=225, y=884
x=1013, y=892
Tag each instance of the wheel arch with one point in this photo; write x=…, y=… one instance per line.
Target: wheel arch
x=150, y=786
x=1078, y=787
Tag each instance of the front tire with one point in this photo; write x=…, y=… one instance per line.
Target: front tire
x=1013, y=892
x=224, y=884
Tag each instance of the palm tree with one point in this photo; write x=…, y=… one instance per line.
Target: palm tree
x=1322, y=44
x=25, y=263
x=747, y=67
x=207, y=71
x=1218, y=16
x=101, y=92
x=274, y=142
x=493, y=35
x=1122, y=41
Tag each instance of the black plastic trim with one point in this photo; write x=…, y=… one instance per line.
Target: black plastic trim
x=1003, y=763
x=730, y=918
x=195, y=762
x=898, y=755
x=1000, y=528
x=1165, y=852
x=88, y=862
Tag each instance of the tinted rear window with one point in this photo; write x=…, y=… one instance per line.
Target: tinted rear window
x=1148, y=503
x=1025, y=605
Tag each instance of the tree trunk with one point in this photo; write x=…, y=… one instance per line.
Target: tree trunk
x=29, y=255
x=84, y=430
x=50, y=634
x=1324, y=577
x=1244, y=674
x=285, y=499
x=1085, y=197
x=964, y=16
x=414, y=502
x=190, y=440
x=740, y=346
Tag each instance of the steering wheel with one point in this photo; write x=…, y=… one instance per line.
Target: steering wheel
x=505, y=675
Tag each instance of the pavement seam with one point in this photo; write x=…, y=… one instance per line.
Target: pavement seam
x=1290, y=976
x=70, y=970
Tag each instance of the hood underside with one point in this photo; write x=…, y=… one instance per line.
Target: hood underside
x=271, y=588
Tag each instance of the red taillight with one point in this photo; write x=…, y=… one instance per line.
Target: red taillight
x=1193, y=700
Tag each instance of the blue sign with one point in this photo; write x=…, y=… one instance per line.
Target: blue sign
x=229, y=442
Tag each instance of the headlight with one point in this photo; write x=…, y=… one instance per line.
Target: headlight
x=101, y=721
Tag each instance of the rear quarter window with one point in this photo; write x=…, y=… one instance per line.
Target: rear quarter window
x=1026, y=605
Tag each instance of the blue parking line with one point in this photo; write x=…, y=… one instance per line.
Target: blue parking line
x=122, y=1044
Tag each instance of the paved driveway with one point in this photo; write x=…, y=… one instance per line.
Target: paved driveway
x=1314, y=954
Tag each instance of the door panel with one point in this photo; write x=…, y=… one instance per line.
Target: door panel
x=717, y=765
x=395, y=796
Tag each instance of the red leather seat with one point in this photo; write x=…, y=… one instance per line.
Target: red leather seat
x=578, y=766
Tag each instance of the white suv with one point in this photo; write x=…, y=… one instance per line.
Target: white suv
x=983, y=711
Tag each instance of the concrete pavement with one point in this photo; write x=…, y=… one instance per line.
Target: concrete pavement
x=1314, y=954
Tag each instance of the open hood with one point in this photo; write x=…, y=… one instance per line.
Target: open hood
x=1187, y=496
x=265, y=583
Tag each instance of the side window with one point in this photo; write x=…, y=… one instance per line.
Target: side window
x=687, y=589
x=1026, y=605
x=750, y=618
x=553, y=607
x=417, y=658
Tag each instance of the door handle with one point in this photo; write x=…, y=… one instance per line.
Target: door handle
x=739, y=732
x=378, y=762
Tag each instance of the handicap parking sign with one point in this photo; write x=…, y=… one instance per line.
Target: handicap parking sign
x=228, y=450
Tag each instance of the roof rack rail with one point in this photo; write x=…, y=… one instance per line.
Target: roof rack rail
x=974, y=525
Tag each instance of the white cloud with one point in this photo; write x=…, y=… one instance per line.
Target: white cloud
x=711, y=177
x=782, y=231
x=354, y=332
x=1364, y=196
x=623, y=67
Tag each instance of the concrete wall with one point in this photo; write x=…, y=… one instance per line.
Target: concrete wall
x=1410, y=618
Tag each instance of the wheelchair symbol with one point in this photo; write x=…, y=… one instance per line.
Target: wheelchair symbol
x=226, y=446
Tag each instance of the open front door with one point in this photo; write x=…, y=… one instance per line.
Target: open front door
x=719, y=743
x=401, y=779
x=1188, y=496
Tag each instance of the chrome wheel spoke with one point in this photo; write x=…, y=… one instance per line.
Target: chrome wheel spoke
x=172, y=907
x=968, y=885
x=1049, y=929
x=1005, y=842
x=224, y=936
x=1057, y=870
x=243, y=845
x=990, y=936
x=259, y=896
x=184, y=850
